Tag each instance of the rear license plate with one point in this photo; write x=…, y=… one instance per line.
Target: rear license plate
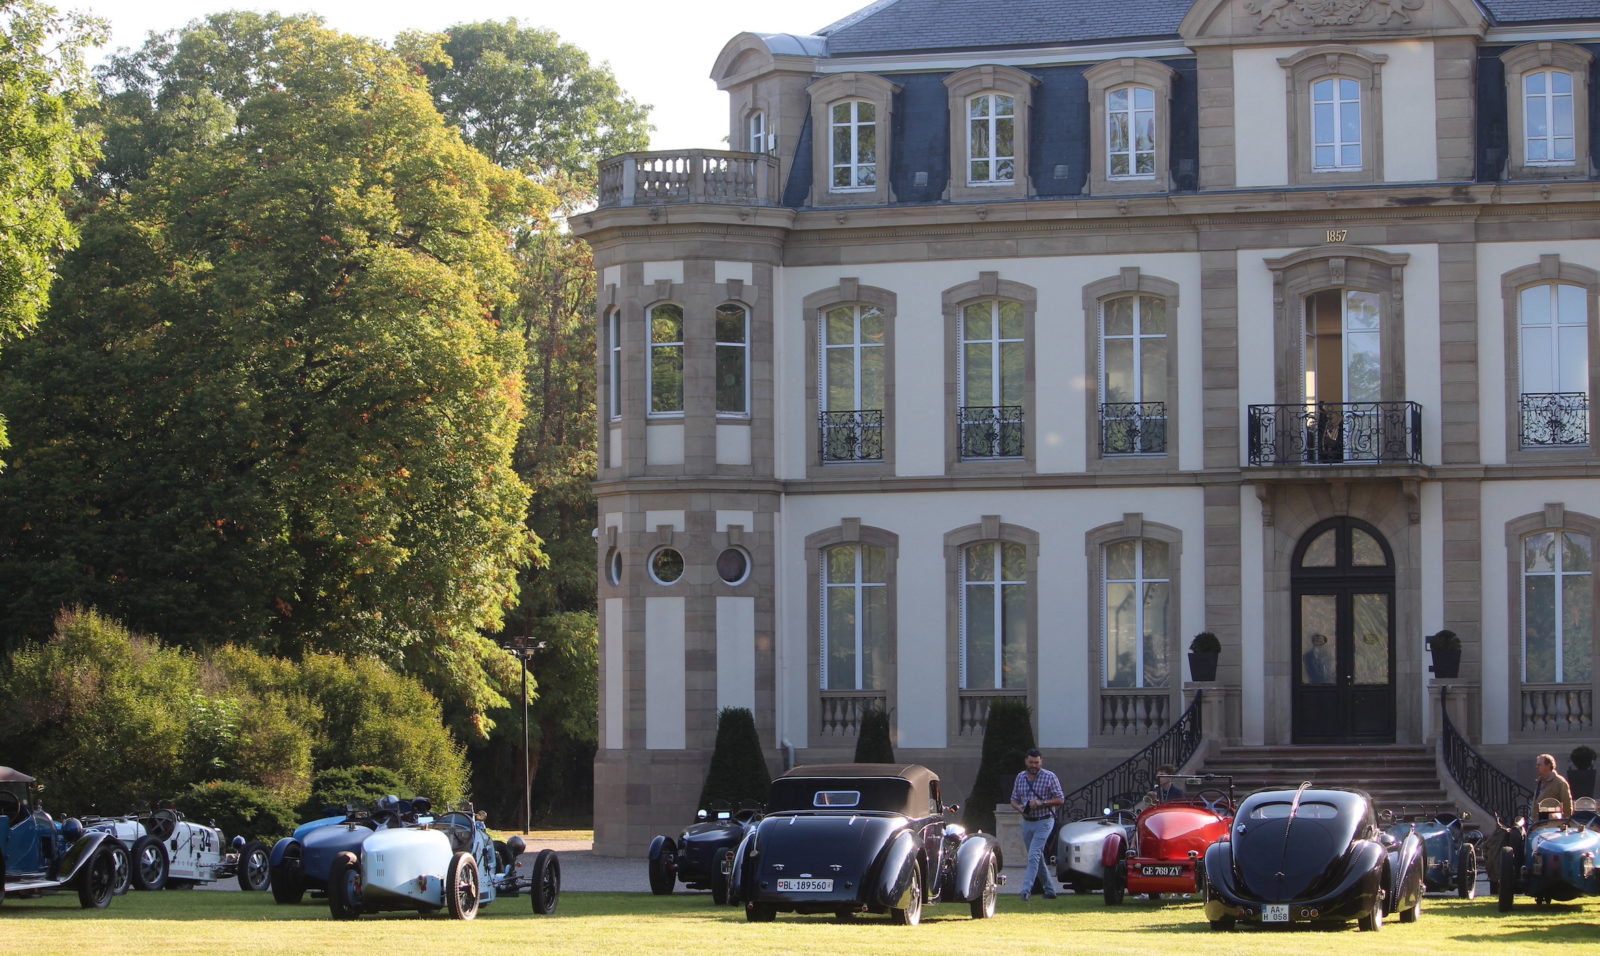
x=1163, y=871
x=1275, y=913
x=805, y=886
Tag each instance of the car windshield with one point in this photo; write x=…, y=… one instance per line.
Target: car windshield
x=1308, y=811
x=836, y=798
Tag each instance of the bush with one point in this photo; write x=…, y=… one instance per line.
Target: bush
x=738, y=771
x=872, y=743
x=238, y=809
x=1205, y=643
x=353, y=787
x=1007, y=738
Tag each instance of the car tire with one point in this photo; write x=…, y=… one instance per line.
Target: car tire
x=1223, y=925
x=254, y=867
x=123, y=861
x=663, y=874
x=1373, y=921
x=719, y=879
x=911, y=913
x=344, y=887
x=546, y=890
x=989, y=894
x=97, y=880
x=1467, y=878
x=1413, y=912
x=461, y=887
x=760, y=913
x=1508, y=879
x=284, y=876
x=150, y=863
x=1116, y=885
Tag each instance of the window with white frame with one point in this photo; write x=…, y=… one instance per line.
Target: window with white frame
x=1336, y=125
x=992, y=361
x=1130, y=107
x=1335, y=115
x=1547, y=117
x=994, y=616
x=853, y=139
x=851, y=366
x=1553, y=352
x=1547, y=110
x=1131, y=133
x=614, y=364
x=733, y=360
x=1133, y=375
x=665, y=368
x=991, y=139
x=758, y=132
x=1136, y=591
x=854, y=618
x=1557, y=607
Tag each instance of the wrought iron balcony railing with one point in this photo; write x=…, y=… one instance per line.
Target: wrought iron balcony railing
x=991, y=431
x=1133, y=428
x=1336, y=433
x=689, y=176
x=851, y=436
x=1552, y=419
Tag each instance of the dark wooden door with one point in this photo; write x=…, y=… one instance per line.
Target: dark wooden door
x=1342, y=635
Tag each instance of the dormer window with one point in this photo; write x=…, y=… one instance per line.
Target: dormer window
x=1547, y=106
x=851, y=152
x=1131, y=133
x=1335, y=125
x=853, y=144
x=1547, y=117
x=989, y=108
x=991, y=139
x=1130, y=102
x=758, y=132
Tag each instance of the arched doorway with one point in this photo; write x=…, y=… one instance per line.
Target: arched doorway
x=1342, y=609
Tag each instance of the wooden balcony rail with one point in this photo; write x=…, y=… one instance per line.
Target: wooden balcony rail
x=689, y=176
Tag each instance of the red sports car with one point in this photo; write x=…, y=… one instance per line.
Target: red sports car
x=1170, y=839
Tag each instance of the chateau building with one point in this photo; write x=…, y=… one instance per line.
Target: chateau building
x=1005, y=350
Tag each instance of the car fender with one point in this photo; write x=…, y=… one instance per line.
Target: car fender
x=971, y=861
x=1364, y=861
x=894, y=870
x=1111, y=850
x=1220, y=878
x=736, y=878
x=275, y=858
x=660, y=845
x=78, y=854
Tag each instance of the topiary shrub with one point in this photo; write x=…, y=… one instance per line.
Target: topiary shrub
x=237, y=809
x=872, y=743
x=353, y=787
x=1007, y=737
x=738, y=771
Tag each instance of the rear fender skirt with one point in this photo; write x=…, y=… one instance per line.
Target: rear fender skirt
x=78, y=853
x=970, y=862
x=662, y=844
x=894, y=871
x=1111, y=850
x=1219, y=871
x=275, y=858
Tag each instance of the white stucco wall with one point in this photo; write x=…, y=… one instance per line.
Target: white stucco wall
x=1410, y=112
x=665, y=670
x=615, y=696
x=1260, y=117
x=736, y=652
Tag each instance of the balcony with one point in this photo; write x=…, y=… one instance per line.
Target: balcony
x=1133, y=428
x=972, y=716
x=990, y=431
x=1554, y=419
x=851, y=436
x=689, y=176
x=840, y=712
x=1336, y=433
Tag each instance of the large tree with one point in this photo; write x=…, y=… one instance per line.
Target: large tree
x=43, y=86
x=280, y=400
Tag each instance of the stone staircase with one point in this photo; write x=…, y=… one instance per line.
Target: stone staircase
x=1398, y=777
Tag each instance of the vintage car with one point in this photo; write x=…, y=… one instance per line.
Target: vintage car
x=1170, y=837
x=851, y=838
x=702, y=855
x=1308, y=855
x=166, y=850
x=40, y=856
x=303, y=861
x=448, y=862
x=1553, y=859
x=1084, y=847
x=1452, y=851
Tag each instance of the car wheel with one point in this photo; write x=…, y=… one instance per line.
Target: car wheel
x=1467, y=879
x=1413, y=912
x=122, y=860
x=461, y=886
x=1373, y=921
x=1223, y=925
x=719, y=877
x=546, y=890
x=663, y=872
x=344, y=887
x=911, y=914
x=1116, y=883
x=97, y=881
x=1508, y=879
x=284, y=876
x=983, y=907
x=149, y=864
x=255, y=871
x=760, y=912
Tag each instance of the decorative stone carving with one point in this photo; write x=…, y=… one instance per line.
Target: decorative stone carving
x=1292, y=14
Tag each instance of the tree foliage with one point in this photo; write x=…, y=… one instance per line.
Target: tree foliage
x=1007, y=737
x=280, y=403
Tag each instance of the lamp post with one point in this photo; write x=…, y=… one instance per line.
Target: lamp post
x=523, y=648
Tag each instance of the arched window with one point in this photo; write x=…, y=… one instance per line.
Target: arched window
x=665, y=368
x=991, y=139
x=733, y=360
x=994, y=616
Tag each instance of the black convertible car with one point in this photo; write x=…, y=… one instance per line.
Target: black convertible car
x=1312, y=855
x=850, y=838
x=703, y=853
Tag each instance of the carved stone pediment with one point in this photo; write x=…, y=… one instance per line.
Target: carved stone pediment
x=1329, y=13
x=1211, y=22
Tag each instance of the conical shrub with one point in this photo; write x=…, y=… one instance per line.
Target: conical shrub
x=1007, y=738
x=738, y=771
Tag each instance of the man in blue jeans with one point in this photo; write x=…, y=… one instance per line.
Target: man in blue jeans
x=1035, y=795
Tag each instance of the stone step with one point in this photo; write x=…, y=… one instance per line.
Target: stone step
x=1396, y=776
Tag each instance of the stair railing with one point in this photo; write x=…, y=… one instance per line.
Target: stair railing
x=1488, y=786
x=1137, y=775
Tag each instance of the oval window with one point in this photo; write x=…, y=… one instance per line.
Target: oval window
x=733, y=566
x=666, y=565
x=614, y=566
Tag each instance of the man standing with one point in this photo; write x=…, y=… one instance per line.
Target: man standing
x=1035, y=795
x=1551, y=786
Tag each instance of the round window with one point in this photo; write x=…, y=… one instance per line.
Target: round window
x=666, y=565
x=614, y=566
x=733, y=566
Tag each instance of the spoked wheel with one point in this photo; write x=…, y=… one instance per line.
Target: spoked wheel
x=461, y=886
x=162, y=824
x=911, y=914
x=122, y=860
x=97, y=881
x=1116, y=885
x=149, y=864
x=255, y=873
x=1467, y=878
x=1508, y=879
x=284, y=876
x=546, y=892
x=664, y=870
x=344, y=887
x=983, y=907
x=760, y=912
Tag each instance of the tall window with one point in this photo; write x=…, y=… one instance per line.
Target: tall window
x=1131, y=133
x=666, y=359
x=1553, y=350
x=1557, y=607
x=854, y=618
x=733, y=360
x=1336, y=124
x=994, y=616
x=614, y=364
x=758, y=132
x=992, y=369
x=991, y=138
x=1548, y=118
x=1133, y=383
x=1136, y=588
x=853, y=135
x=852, y=366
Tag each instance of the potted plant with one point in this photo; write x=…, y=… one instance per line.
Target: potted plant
x=1446, y=649
x=1203, y=653
x=1581, y=774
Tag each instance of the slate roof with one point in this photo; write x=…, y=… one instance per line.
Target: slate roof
x=904, y=26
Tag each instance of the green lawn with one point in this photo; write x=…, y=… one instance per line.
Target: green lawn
x=204, y=922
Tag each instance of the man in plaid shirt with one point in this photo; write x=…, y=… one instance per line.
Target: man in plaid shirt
x=1036, y=794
